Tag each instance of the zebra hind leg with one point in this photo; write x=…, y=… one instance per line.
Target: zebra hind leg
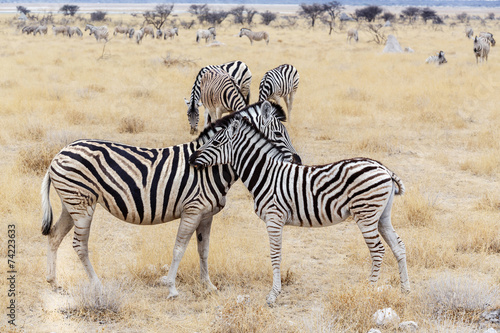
x=55, y=237
x=203, y=238
x=275, y=232
x=395, y=243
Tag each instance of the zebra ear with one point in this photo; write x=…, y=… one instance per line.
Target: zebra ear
x=267, y=111
x=186, y=101
x=233, y=128
x=200, y=103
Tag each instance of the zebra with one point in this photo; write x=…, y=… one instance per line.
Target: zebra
x=281, y=81
x=146, y=186
x=469, y=32
x=139, y=35
x=98, y=32
x=131, y=33
x=352, y=34
x=149, y=31
x=30, y=28
x=170, y=33
x=238, y=70
x=207, y=34
x=121, y=30
x=63, y=30
x=481, y=48
x=219, y=93
x=436, y=59
x=257, y=36
x=489, y=37
x=40, y=29
x=309, y=196
x=75, y=30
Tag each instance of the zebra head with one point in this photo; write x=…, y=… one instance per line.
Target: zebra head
x=193, y=114
x=441, y=58
x=220, y=148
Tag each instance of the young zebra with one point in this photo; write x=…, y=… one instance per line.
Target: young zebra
x=219, y=94
x=238, y=70
x=481, y=48
x=281, y=81
x=145, y=187
x=436, y=59
x=352, y=34
x=309, y=196
x=206, y=34
x=257, y=36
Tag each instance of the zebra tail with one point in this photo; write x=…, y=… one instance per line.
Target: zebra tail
x=401, y=187
x=46, y=207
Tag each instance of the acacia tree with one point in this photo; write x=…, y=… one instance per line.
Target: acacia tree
x=332, y=9
x=427, y=14
x=267, y=17
x=69, y=10
x=159, y=16
x=369, y=13
x=312, y=11
x=411, y=13
x=23, y=10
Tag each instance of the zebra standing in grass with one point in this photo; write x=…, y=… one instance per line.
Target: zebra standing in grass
x=281, y=81
x=170, y=33
x=98, y=32
x=352, y=34
x=238, y=70
x=481, y=48
x=145, y=186
x=257, y=36
x=309, y=196
x=206, y=34
x=63, y=30
x=74, y=30
x=219, y=93
x=139, y=35
x=436, y=59
x=41, y=29
x=121, y=30
x=469, y=32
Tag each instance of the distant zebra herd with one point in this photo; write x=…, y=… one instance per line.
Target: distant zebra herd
x=190, y=181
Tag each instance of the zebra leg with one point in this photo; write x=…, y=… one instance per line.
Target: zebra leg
x=56, y=235
x=203, y=237
x=187, y=226
x=275, y=232
x=83, y=220
x=395, y=243
x=290, y=104
x=367, y=223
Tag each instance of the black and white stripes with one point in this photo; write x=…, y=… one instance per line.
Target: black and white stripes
x=281, y=81
x=309, y=196
x=143, y=186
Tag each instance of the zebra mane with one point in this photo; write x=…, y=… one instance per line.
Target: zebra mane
x=277, y=149
x=222, y=123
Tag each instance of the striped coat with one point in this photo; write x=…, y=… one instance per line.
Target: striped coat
x=309, y=196
x=142, y=186
x=257, y=36
x=481, y=48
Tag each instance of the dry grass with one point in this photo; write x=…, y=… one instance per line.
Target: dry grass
x=435, y=127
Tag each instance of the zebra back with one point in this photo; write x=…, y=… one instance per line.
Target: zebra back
x=279, y=81
x=218, y=89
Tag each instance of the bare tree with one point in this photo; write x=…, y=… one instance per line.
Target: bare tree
x=312, y=11
x=490, y=16
x=463, y=17
x=387, y=16
x=159, y=16
x=268, y=17
x=332, y=9
x=377, y=33
x=243, y=15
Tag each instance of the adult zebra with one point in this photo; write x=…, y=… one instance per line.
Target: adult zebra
x=238, y=70
x=98, y=32
x=489, y=37
x=145, y=186
x=257, y=36
x=481, y=48
x=281, y=81
x=309, y=196
x=219, y=94
x=206, y=34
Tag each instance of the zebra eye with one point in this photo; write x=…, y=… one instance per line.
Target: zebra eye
x=278, y=134
x=215, y=143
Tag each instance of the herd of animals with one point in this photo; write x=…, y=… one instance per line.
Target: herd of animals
x=190, y=181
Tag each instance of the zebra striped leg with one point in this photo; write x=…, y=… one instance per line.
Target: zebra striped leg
x=368, y=224
x=187, y=226
x=82, y=221
x=275, y=232
x=290, y=104
x=395, y=243
x=57, y=233
x=203, y=237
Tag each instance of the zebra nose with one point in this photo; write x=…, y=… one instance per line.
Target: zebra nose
x=296, y=159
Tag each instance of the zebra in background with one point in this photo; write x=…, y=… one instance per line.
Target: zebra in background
x=489, y=37
x=149, y=31
x=257, y=36
x=219, y=94
x=122, y=30
x=74, y=30
x=139, y=35
x=481, y=48
x=131, y=33
x=281, y=81
x=146, y=186
x=352, y=34
x=469, y=32
x=63, y=30
x=98, y=32
x=436, y=59
x=41, y=29
x=206, y=34
x=309, y=196
x=170, y=33
x=238, y=70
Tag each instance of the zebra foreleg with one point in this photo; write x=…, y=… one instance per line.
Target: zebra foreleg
x=395, y=243
x=55, y=237
x=187, y=226
x=275, y=232
x=203, y=238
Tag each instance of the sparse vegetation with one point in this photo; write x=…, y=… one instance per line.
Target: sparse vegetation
x=435, y=127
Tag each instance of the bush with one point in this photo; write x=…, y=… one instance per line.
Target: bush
x=98, y=16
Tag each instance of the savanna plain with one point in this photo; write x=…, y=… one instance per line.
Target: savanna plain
x=436, y=127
